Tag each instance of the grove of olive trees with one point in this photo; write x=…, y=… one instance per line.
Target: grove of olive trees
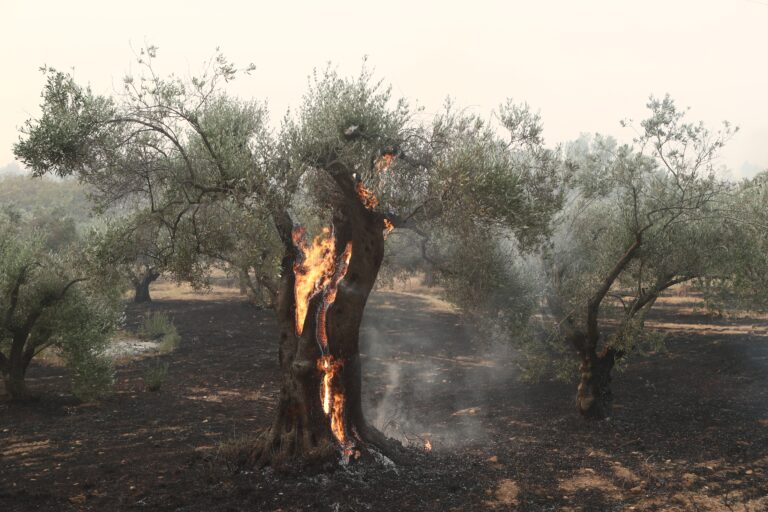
x=560, y=253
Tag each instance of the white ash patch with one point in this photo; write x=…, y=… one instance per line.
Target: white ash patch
x=126, y=346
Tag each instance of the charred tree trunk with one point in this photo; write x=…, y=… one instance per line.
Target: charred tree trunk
x=302, y=430
x=594, y=397
x=141, y=286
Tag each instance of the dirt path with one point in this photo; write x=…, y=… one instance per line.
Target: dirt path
x=690, y=431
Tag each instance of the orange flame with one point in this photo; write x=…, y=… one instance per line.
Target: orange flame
x=366, y=195
x=330, y=288
x=313, y=270
x=369, y=200
x=388, y=227
x=383, y=162
x=318, y=270
x=428, y=445
x=333, y=400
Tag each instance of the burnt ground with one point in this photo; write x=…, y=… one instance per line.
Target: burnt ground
x=690, y=429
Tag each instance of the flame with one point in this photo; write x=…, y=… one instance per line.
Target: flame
x=366, y=195
x=330, y=288
x=369, y=200
x=388, y=227
x=383, y=162
x=333, y=399
x=313, y=270
x=428, y=445
x=317, y=270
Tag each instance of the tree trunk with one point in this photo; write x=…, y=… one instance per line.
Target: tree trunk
x=302, y=430
x=15, y=368
x=141, y=286
x=242, y=277
x=594, y=397
x=15, y=385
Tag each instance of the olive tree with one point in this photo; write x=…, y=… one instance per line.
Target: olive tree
x=351, y=162
x=50, y=299
x=639, y=219
x=742, y=283
x=136, y=250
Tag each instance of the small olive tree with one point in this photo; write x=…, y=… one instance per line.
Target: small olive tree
x=639, y=219
x=136, y=250
x=49, y=299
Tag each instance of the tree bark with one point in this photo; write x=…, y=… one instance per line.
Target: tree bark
x=242, y=276
x=15, y=368
x=594, y=397
x=141, y=286
x=23, y=350
x=15, y=384
x=301, y=430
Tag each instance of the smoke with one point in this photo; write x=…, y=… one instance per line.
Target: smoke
x=426, y=376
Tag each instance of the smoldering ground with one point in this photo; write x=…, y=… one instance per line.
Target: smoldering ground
x=690, y=433
x=424, y=352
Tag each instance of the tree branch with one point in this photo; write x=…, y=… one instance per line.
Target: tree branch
x=20, y=280
x=593, y=304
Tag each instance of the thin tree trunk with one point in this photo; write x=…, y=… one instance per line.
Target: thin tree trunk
x=242, y=277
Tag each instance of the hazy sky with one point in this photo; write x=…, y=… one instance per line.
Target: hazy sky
x=584, y=64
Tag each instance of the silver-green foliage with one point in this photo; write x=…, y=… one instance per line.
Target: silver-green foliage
x=638, y=219
x=205, y=168
x=53, y=298
x=742, y=283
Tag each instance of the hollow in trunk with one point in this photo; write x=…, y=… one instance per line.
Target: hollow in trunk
x=319, y=414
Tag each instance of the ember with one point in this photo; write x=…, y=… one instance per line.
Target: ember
x=366, y=195
x=383, y=162
x=388, y=227
x=369, y=200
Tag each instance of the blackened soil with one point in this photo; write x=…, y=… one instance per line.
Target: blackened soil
x=689, y=432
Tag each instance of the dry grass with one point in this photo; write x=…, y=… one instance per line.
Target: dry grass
x=235, y=452
x=223, y=289
x=414, y=284
x=504, y=496
x=51, y=356
x=220, y=290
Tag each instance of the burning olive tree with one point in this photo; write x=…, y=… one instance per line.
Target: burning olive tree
x=639, y=220
x=352, y=163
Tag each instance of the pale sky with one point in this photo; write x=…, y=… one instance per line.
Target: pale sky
x=585, y=65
